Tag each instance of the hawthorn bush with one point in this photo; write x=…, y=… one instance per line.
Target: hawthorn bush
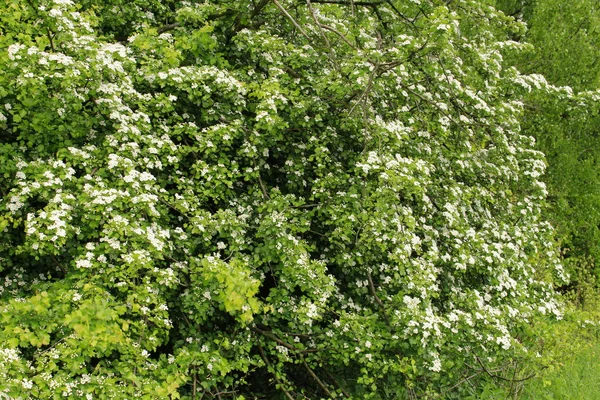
x=266, y=199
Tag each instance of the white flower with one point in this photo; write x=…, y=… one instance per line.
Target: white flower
x=76, y=297
x=146, y=176
x=55, y=13
x=83, y=263
x=411, y=302
x=15, y=204
x=13, y=49
x=113, y=161
x=436, y=365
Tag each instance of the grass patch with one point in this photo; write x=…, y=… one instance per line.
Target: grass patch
x=578, y=378
x=573, y=368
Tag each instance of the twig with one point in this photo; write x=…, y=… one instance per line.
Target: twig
x=48, y=31
x=307, y=205
x=292, y=73
x=227, y=392
x=284, y=11
x=59, y=341
x=58, y=264
x=302, y=335
x=168, y=27
x=501, y=377
x=262, y=187
x=512, y=383
x=366, y=91
x=274, y=338
x=259, y=8
x=314, y=17
x=462, y=381
x=316, y=378
x=266, y=360
x=344, y=38
x=194, y=386
x=50, y=39
x=404, y=17
x=337, y=384
x=377, y=299
x=352, y=2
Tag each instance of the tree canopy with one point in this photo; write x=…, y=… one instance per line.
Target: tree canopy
x=253, y=199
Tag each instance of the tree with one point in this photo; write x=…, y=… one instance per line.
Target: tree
x=238, y=199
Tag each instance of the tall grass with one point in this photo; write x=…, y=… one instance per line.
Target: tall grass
x=578, y=378
x=574, y=373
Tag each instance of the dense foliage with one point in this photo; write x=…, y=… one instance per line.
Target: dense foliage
x=237, y=199
x=566, y=40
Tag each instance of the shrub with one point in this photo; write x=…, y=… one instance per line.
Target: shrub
x=238, y=199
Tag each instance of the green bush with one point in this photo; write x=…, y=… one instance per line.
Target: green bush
x=272, y=199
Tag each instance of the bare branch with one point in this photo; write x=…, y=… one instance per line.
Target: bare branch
x=344, y=38
x=331, y=377
x=463, y=381
x=50, y=39
x=168, y=27
x=501, y=377
x=259, y=7
x=284, y=11
x=266, y=360
x=377, y=299
x=274, y=338
x=366, y=91
x=314, y=17
x=316, y=378
x=352, y=2
x=404, y=17
x=194, y=386
x=262, y=187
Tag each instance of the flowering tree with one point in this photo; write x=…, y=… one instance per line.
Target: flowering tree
x=237, y=199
